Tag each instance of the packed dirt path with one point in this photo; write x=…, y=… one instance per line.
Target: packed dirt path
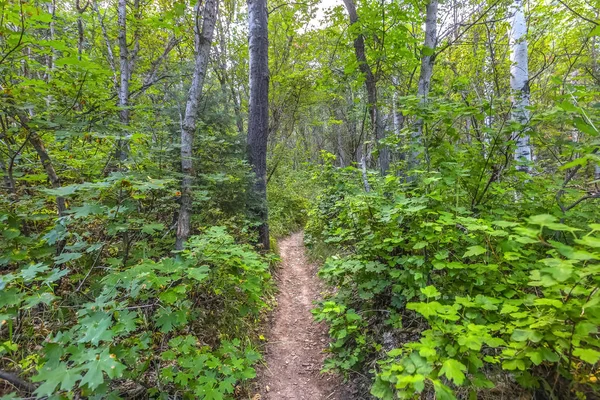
x=294, y=354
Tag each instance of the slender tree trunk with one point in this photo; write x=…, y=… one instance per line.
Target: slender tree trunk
x=340, y=145
x=203, y=39
x=258, y=114
x=594, y=52
x=371, y=87
x=51, y=55
x=7, y=176
x=427, y=62
x=45, y=159
x=239, y=120
x=398, y=117
x=519, y=84
x=80, y=31
x=109, y=50
x=123, y=144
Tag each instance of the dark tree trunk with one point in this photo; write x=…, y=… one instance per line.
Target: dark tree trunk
x=258, y=115
x=45, y=159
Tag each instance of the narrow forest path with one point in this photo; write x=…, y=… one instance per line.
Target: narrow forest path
x=294, y=354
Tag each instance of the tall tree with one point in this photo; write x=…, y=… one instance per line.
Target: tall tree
x=203, y=39
x=258, y=113
x=427, y=63
x=371, y=88
x=519, y=84
x=122, y=145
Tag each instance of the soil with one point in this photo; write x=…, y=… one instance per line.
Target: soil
x=294, y=354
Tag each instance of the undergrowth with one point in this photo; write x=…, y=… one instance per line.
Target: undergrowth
x=114, y=314
x=433, y=296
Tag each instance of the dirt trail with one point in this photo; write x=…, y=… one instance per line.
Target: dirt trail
x=295, y=346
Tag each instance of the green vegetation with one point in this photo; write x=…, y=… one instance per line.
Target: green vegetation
x=442, y=157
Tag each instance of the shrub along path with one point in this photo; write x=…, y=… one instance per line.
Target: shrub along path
x=294, y=354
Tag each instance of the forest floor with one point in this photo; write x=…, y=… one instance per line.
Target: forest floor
x=294, y=354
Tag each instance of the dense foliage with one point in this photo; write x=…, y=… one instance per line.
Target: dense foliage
x=94, y=303
x=457, y=300
x=443, y=156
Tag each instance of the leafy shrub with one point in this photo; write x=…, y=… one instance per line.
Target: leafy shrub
x=486, y=295
x=289, y=193
x=159, y=324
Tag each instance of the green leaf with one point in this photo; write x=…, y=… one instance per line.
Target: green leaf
x=454, y=370
x=474, y=251
x=87, y=209
x=103, y=362
x=169, y=297
x=442, y=391
x=66, y=257
x=430, y=291
x=62, y=191
x=584, y=127
x=37, y=298
x=588, y=355
x=567, y=106
x=33, y=271
x=11, y=233
x=199, y=273
x=595, y=31
x=55, y=376
x=96, y=328
x=420, y=245
x=577, y=162
x=589, y=241
x=542, y=219
x=151, y=229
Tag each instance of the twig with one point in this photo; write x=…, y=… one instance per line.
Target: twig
x=18, y=382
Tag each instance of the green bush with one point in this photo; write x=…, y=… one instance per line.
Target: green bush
x=288, y=193
x=489, y=296
x=179, y=324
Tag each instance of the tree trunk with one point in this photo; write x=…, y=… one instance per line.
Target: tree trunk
x=203, y=39
x=398, y=117
x=427, y=62
x=123, y=145
x=80, y=31
x=258, y=114
x=45, y=159
x=371, y=87
x=519, y=84
x=109, y=51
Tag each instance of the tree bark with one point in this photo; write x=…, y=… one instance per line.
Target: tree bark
x=80, y=31
x=45, y=159
x=125, y=73
x=427, y=63
x=109, y=50
x=258, y=114
x=371, y=87
x=519, y=84
x=203, y=40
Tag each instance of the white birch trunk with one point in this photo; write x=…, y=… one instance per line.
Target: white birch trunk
x=122, y=145
x=427, y=62
x=109, y=50
x=519, y=84
x=203, y=39
x=398, y=117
